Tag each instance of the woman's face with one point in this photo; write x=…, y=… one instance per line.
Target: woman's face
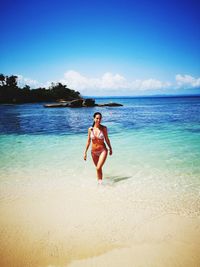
x=97, y=119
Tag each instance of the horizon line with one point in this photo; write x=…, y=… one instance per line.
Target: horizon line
x=146, y=96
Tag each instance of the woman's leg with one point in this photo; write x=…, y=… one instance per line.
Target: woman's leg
x=101, y=161
x=95, y=159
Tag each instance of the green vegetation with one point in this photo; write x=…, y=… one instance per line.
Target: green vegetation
x=11, y=93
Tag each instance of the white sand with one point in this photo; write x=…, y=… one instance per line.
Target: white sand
x=167, y=241
x=56, y=223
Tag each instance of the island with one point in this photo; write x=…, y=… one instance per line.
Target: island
x=58, y=95
x=11, y=93
x=79, y=103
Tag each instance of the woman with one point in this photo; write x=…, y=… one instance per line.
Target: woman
x=98, y=133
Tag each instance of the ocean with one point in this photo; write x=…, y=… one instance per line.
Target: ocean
x=53, y=211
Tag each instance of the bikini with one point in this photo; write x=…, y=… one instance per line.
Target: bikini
x=100, y=137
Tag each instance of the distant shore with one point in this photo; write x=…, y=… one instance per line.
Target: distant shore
x=79, y=103
x=102, y=97
x=11, y=93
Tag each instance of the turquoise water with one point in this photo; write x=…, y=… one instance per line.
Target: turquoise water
x=156, y=149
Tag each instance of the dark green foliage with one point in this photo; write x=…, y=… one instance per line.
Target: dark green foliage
x=11, y=93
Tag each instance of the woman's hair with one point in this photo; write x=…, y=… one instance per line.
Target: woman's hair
x=95, y=114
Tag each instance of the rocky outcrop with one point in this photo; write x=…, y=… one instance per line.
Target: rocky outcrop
x=55, y=105
x=79, y=103
x=112, y=104
x=89, y=102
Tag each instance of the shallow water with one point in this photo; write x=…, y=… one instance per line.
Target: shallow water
x=53, y=211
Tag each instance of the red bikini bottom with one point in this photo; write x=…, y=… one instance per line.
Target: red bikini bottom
x=98, y=152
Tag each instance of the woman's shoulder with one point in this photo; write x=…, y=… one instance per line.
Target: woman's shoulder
x=103, y=127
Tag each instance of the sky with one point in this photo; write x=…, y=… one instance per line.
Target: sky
x=103, y=47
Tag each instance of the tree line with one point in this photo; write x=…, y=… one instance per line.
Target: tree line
x=10, y=92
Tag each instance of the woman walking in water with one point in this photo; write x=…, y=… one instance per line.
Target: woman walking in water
x=98, y=133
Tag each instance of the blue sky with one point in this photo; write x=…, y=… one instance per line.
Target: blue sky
x=103, y=47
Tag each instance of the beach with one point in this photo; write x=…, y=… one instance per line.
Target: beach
x=58, y=224
x=146, y=212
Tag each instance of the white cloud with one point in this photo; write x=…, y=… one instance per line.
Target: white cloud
x=110, y=81
x=149, y=84
x=74, y=79
x=113, y=81
x=187, y=81
x=111, y=84
x=22, y=81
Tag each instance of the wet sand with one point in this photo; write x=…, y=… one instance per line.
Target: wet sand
x=57, y=223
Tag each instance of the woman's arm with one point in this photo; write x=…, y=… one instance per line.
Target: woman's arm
x=87, y=144
x=107, y=139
